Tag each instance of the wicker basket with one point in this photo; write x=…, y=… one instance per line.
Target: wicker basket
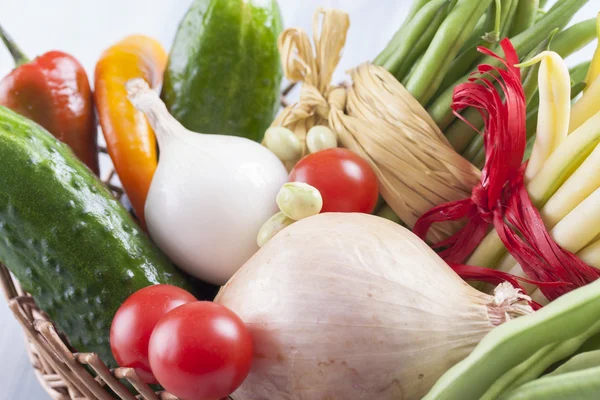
x=62, y=373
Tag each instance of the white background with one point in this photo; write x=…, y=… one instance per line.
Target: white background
x=85, y=28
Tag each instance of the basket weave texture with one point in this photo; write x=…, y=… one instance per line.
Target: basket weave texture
x=63, y=374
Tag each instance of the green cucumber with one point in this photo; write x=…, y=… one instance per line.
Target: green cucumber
x=224, y=74
x=67, y=240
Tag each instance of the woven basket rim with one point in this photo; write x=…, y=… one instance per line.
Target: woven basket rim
x=61, y=372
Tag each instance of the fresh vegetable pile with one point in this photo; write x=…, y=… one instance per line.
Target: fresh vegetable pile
x=270, y=256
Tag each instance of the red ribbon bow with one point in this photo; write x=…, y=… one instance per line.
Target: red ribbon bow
x=500, y=198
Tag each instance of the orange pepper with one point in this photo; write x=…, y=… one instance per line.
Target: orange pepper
x=130, y=140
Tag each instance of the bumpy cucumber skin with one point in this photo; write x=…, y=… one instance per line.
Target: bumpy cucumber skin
x=67, y=240
x=224, y=73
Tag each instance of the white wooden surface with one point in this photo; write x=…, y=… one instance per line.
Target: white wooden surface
x=85, y=27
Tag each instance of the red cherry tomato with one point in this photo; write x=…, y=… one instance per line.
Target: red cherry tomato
x=347, y=182
x=134, y=322
x=201, y=350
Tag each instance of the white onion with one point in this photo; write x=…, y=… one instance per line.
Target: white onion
x=353, y=306
x=209, y=195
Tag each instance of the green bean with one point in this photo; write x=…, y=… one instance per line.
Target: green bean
x=486, y=23
x=412, y=70
x=589, y=359
x=580, y=385
x=387, y=213
x=592, y=344
x=513, y=342
x=422, y=43
x=531, y=119
x=554, y=5
x=524, y=42
x=508, y=22
x=540, y=14
x=479, y=158
x=508, y=378
x=379, y=205
x=459, y=134
x=414, y=9
x=390, y=48
x=466, y=60
x=534, y=103
x=494, y=35
x=411, y=34
x=525, y=17
x=530, y=85
x=532, y=115
x=398, y=37
x=535, y=365
x=576, y=88
x=508, y=15
x=528, y=148
x=530, y=74
x=574, y=37
x=475, y=153
x=579, y=72
x=446, y=44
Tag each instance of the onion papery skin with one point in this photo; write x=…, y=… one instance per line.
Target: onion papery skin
x=353, y=306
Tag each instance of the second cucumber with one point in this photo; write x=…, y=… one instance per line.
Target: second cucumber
x=67, y=240
x=224, y=73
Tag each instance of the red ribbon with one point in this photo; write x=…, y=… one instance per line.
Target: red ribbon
x=500, y=198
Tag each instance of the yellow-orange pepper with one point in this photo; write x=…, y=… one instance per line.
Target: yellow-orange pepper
x=130, y=140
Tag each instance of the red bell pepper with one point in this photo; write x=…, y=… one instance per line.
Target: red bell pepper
x=53, y=90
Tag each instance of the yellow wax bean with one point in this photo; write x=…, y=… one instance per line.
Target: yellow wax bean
x=555, y=106
x=594, y=70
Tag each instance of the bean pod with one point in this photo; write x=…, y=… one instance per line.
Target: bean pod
x=580, y=385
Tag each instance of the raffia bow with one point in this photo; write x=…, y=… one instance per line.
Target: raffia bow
x=314, y=68
x=416, y=165
x=377, y=118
